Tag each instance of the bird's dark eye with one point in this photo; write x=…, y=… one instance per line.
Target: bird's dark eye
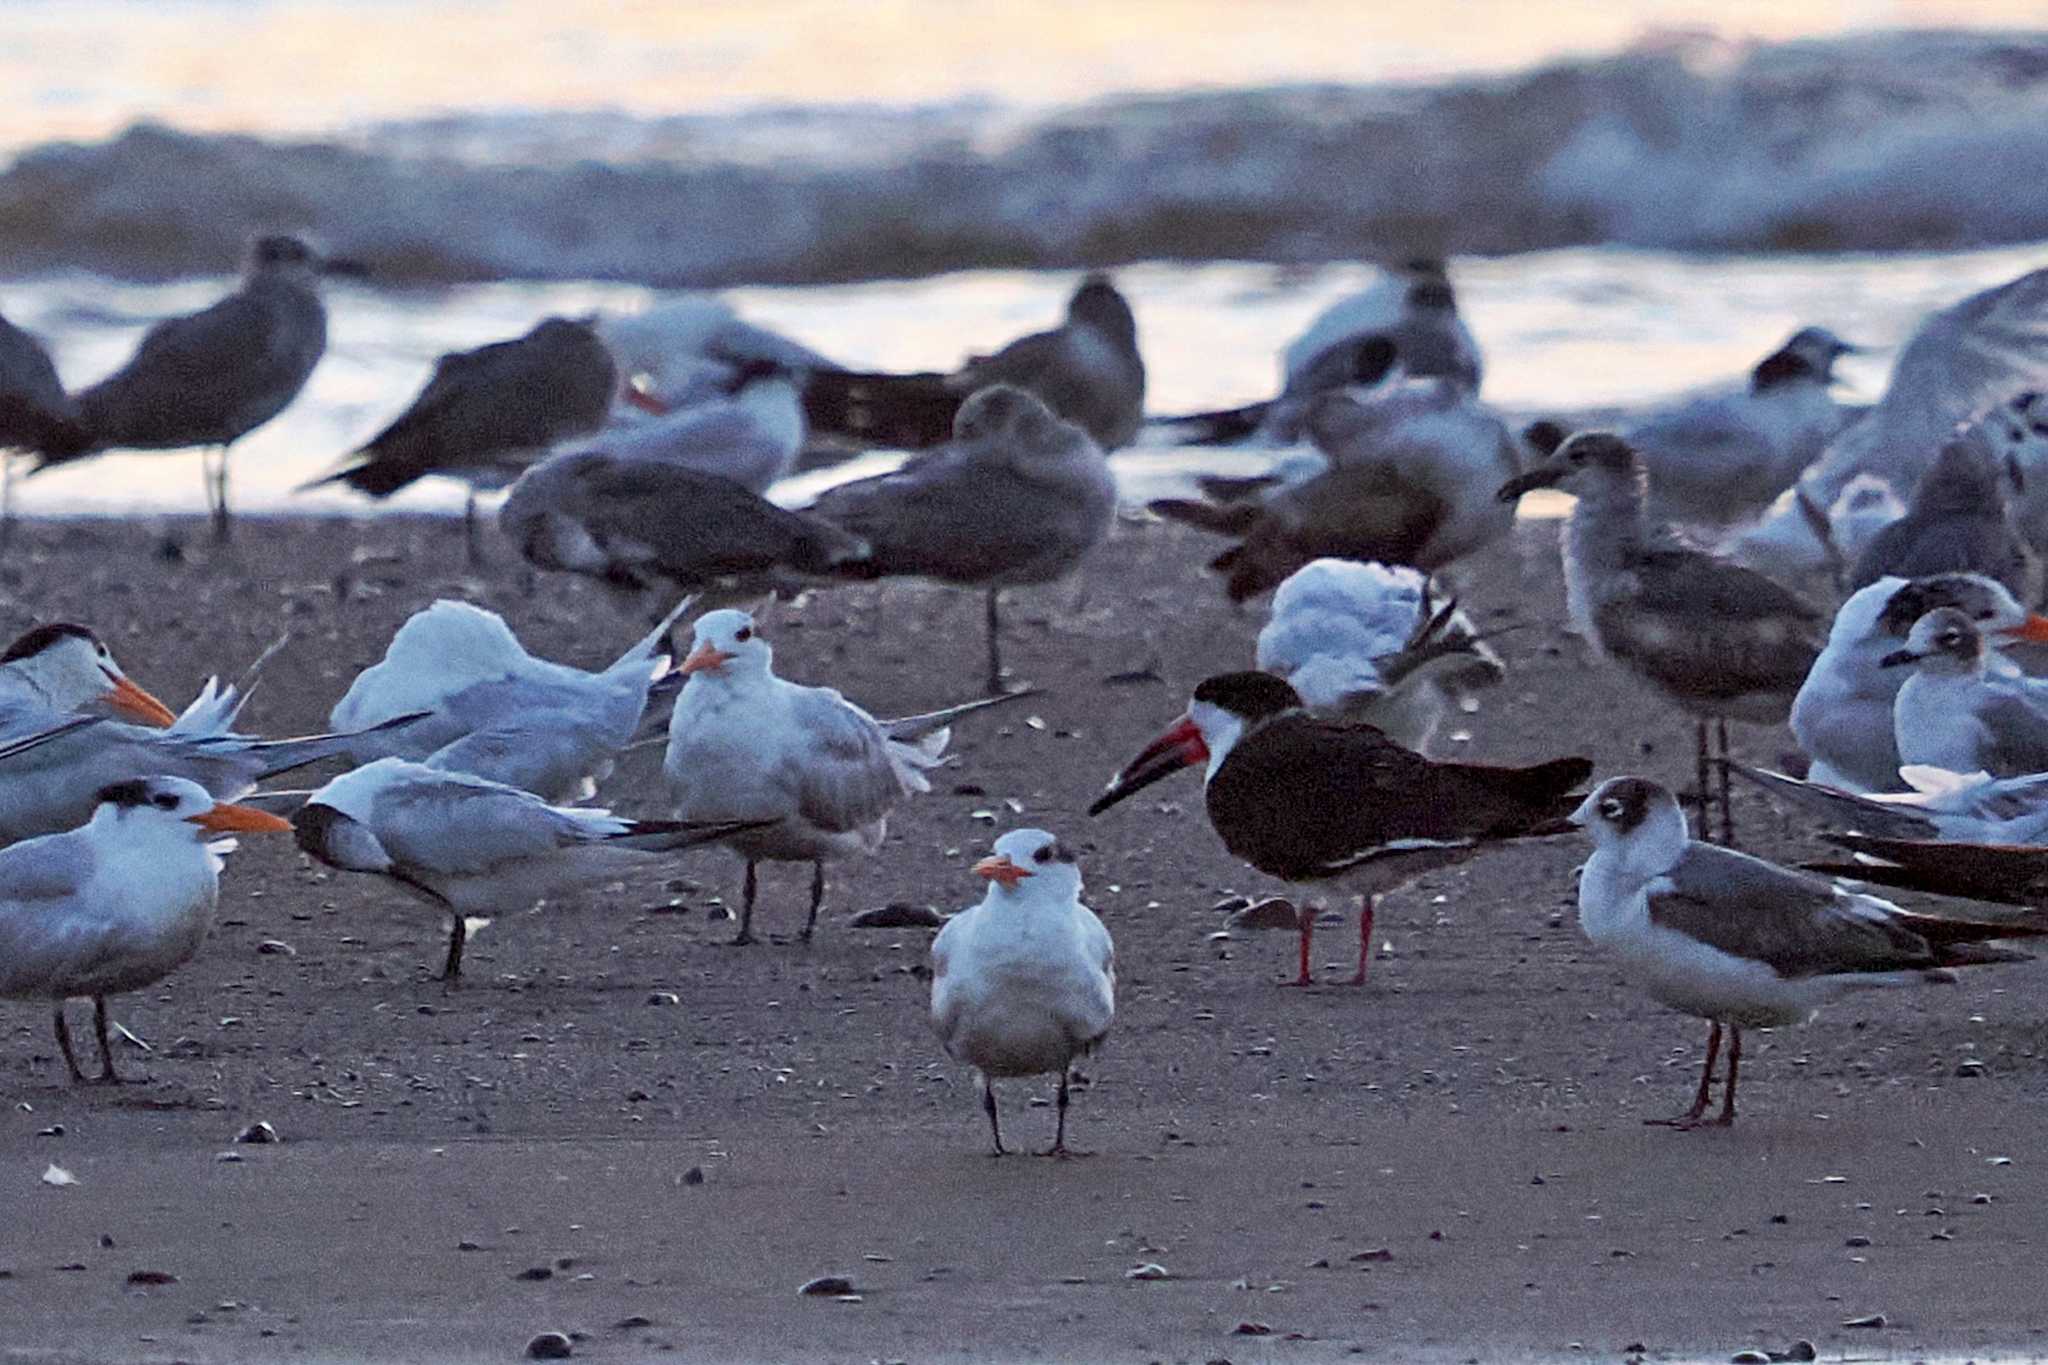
x=1611, y=808
x=744, y=633
x=1044, y=855
x=164, y=801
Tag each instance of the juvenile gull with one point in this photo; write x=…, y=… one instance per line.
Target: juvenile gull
x=1744, y=943
x=212, y=377
x=1961, y=519
x=1018, y=496
x=1953, y=713
x=1719, y=641
x=1310, y=800
x=1087, y=370
x=469, y=846
x=117, y=904
x=488, y=413
x=1024, y=982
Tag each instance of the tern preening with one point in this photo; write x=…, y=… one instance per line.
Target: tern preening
x=1843, y=715
x=496, y=710
x=1722, y=458
x=118, y=904
x=1310, y=800
x=470, y=846
x=749, y=432
x=744, y=744
x=1018, y=496
x=1954, y=713
x=1087, y=370
x=488, y=413
x=1744, y=943
x=212, y=377
x=1024, y=982
x=690, y=351
x=1719, y=641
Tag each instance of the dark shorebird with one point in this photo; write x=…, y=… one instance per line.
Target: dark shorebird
x=1018, y=496
x=1716, y=640
x=1310, y=800
x=1743, y=943
x=487, y=414
x=35, y=412
x=1087, y=370
x=211, y=378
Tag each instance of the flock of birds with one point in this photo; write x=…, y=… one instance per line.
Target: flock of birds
x=1703, y=542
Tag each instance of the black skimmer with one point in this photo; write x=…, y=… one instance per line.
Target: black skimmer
x=1744, y=943
x=1719, y=641
x=1310, y=800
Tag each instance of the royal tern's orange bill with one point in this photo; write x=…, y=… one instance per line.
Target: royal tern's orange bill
x=131, y=701
x=228, y=818
x=706, y=655
x=999, y=868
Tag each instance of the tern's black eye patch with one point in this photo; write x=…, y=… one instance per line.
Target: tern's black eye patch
x=126, y=795
x=743, y=633
x=164, y=801
x=1044, y=855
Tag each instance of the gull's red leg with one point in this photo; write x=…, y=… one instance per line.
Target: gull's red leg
x=1734, y=1063
x=1365, y=909
x=1308, y=915
x=1691, y=1117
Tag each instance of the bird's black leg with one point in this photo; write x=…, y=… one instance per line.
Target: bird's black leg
x=746, y=933
x=1704, y=779
x=817, y=899
x=6, y=497
x=476, y=549
x=64, y=1045
x=1734, y=1064
x=1727, y=800
x=1059, y=1139
x=1691, y=1117
x=458, y=935
x=988, y=1106
x=221, y=525
x=107, y=1076
x=995, y=649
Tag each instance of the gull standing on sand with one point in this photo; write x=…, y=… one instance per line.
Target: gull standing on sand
x=1363, y=642
x=486, y=414
x=1722, y=458
x=744, y=744
x=1951, y=713
x=1744, y=943
x=635, y=523
x=1087, y=370
x=470, y=846
x=212, y=377
x=1714, y=639
x=35, y=412
x=118, y=904
x=1018, y=496
x=1842, y=716
x=497, y=711
x=1961, y=519
x=1024, y=982
x=1310, y=800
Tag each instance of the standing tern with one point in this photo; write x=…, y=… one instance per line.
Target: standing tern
x=469, y=846
x=497, y=711
x=1719, y=641
x=1961, y=519
x=118, y=904
x=744, y=744
x=486, y=414
x=1024, y=982
x=1087, y=370
x=1744, y=943
x=1363, y=642
x=212, y=377
x=1953, y=713
x=1310, y=800
x=1018, y=496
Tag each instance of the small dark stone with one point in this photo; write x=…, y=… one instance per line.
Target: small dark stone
x=1857, y=1242
x=1251, y=1329
x=54, y=1130
x=627, y=1324
x=106, y=1241
x=550, y=1346
x=1376, y=1254
x=898, y=915
x=826, y=1286
x=1779, y=1218
x=1798, y=1350
x=969, y=789
x=694, y=1176
x=467, y=1246
x=539, y=1272
x=151, y=1277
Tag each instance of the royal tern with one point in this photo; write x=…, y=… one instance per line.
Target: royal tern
x=1415, y=307
x=1953, y=713
x=1972, y=808
x=486, y=414
x=1962, y=519
x=118, y=904
x=468, y=846
x=1018, y=496
x=212, y=377
x=1740, y=942
x=1722, y=458
x=56, y=669
x=1310, y=800
x=744, y=744
x=639, y=523
x=497, y=711
x=749, y=433
x=1718, y=641
x=1087, y=370
x=1024, y=982
x=1842, y=716
x=1364, y=642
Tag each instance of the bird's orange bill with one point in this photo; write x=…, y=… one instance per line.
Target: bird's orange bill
x=999, y=868
x=706, y=655
x=2034, y=630
x=1179, y=747
x=228, y=818
x=131, y=701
